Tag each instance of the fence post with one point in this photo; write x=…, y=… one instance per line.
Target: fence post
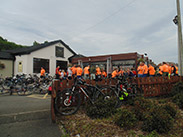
x=55, y=89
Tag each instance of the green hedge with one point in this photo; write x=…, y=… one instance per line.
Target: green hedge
x=159, y=120
x=101, y=109
x=126, y=119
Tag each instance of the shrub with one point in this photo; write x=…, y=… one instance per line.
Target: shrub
x=177, y=88
x=126, y=119
x=101, y=109
x=142, y=108
x=130, y=101
x=178, y=100
x=158, y=120
x=170, y=109
x=152, y=134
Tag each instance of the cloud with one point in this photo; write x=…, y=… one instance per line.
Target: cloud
x=94, y=27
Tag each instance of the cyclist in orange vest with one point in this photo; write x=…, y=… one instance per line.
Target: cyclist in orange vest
x=73, y=68
x=98, y=73
x=115, y=73
x=151, y=70
x=104, y=74
x=79, y=71
x=86, y=72
x=142, y=70
x=165, y=68
x=42, y=75
x=160, y=73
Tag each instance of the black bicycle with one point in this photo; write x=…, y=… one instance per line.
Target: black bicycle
x=68, y=101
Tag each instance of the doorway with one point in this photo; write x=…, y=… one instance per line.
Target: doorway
x=62, y=64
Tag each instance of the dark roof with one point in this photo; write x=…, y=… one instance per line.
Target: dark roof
x=28, y=50
x=5, y=55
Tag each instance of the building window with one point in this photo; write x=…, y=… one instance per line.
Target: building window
x=59, y=52
x=38, y=63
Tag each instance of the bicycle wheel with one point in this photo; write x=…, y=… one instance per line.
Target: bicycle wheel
x=43, y=88
x=112, y=94
x=67, y=102
x=22, y=91
x=3, y=90
x=1, y=87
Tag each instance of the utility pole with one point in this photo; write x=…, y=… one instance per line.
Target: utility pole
x=180, y=44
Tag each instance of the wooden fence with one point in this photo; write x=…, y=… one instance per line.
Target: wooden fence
x=151, y=86
x=157, y=86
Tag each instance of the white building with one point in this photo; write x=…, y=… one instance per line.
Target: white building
x=48, y=55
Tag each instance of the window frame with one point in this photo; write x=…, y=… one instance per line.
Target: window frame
x=57, y=48
x=41, y=62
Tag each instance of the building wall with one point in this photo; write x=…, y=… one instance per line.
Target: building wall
x=44, y=53
x=8, y=70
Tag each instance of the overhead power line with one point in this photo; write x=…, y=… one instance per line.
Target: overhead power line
x=104, y=19
x=111, y=15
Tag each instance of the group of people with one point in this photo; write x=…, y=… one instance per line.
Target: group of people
x=76, y=71
x=95, y=72
x=91, y=72
x=163, y=69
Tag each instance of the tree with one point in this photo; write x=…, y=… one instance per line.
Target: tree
x=6, y=45
x=35, y=43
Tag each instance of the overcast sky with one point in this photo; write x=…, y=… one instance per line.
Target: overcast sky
x=95, y=27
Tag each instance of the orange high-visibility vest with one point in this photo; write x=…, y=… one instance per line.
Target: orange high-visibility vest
x=98, y=72
x=114, y=73
x=140, y=70
x=165, y=68
x=151, y=70
x=79, y=71
x=145, y=69
x=86, y=70
x=104, y=74
x=42, y=72
x=74, y=69
x=177, y=69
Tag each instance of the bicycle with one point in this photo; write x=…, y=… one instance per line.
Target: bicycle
x=11, y=85
x=124, y=90
x=68, y=101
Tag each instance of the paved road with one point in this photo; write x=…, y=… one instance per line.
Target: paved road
x=26, y=117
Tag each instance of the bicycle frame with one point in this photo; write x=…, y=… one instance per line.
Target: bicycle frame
x=85, y=91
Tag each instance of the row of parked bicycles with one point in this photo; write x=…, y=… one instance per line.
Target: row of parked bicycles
x=24, y=84
x=69, y=100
